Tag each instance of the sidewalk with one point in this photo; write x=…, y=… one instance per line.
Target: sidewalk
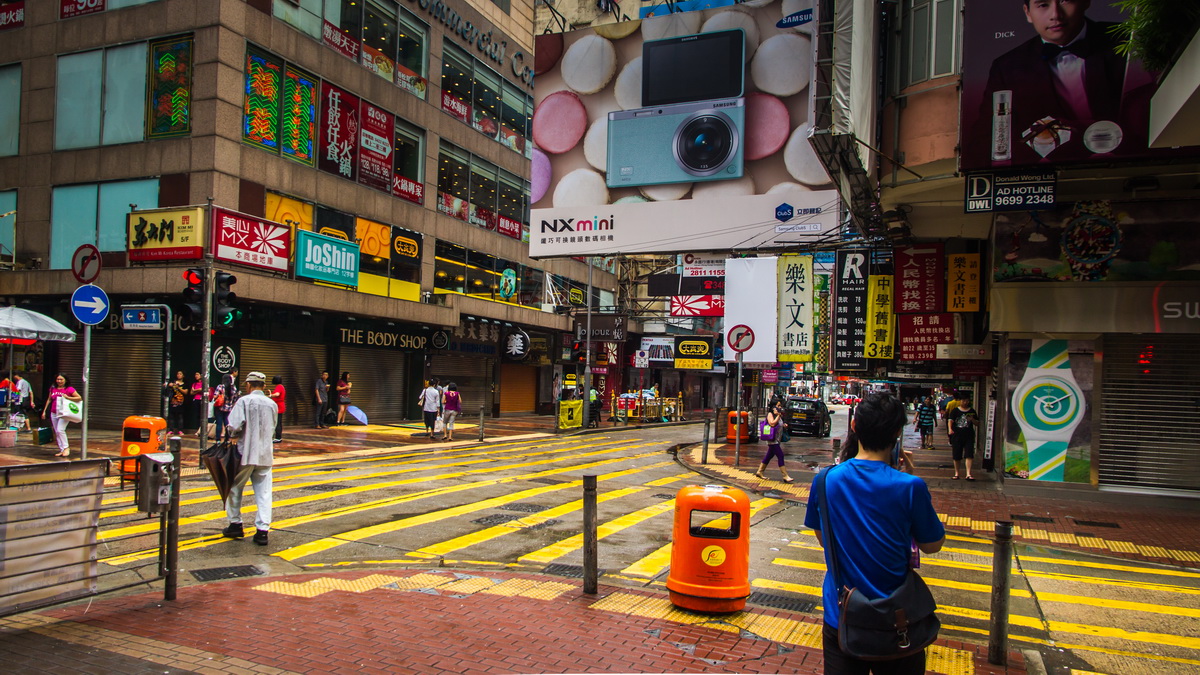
x=1135, y=528
x=415, y=621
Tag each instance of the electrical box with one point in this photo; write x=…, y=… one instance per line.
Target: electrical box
x=154, y=482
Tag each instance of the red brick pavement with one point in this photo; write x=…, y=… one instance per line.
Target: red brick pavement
x=254, y=625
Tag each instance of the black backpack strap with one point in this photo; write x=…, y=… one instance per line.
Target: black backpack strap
x=826, y=528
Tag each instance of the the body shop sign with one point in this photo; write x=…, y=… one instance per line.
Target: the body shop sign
x=72, y=8
x=326, y=259
x=247, y=240
x=375, y=147
x=338, y=148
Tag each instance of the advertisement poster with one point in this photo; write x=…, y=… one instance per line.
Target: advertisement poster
x=375, y=147
x=693, y=352
x=1099, y=241
x=922, y=279
x=648, y=141
x=698, y=305
x=964, y=282
x=326, y=259
x=165, y=234
x=68, y=9
x=1048, y=434
x=339, y=132
x=408, y=189
x=795, y=308
x=659, y=350
x=406, y=248
x=881, y=317
x=247, y=240
x=12, y=15
x=850, y=310
x=341, y=43
x=457, y=108
x=508, y=227
x=752, y=300
x=920, y=334
x=1025, y=104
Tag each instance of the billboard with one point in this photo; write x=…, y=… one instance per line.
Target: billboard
x=1028, y=101
x=165, y=234
x=326, y=259
x=689, y=133
x=249, y=240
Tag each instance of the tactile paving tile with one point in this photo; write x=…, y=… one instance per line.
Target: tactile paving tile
x=805, y=635
x=466, y=586
x=367, y=583
x=511, y=587
x=646, y=606
x=1184, y=555
x=1153, y=551
x=773, y=628
x=1122, y=546
x=1091, y=542
x=547, y=590
x=1063, y=538
x=306, y=590
x=418, y=581
x=948, y=661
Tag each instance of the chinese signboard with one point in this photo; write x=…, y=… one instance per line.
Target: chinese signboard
x=607, y=327
x=920, y=288
x=795, y=308
x=165, y=234
x=248, y=240
x=880, y=317
x=706, y=266
x=326, y=259
x=920, y=335
x=406, y=188
x=375, y=147
x=340, y=42
x=72, y=8
x=850, y=311
x=339, y=132
x=12, y=15
x=964, y=281
x=457, y=109
x=698, y=305
x=693, y=352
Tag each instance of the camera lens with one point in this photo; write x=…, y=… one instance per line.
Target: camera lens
x=704, y=143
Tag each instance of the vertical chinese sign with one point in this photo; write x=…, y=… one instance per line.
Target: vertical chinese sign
x=964, y=281
x=795, y=308
x=170, y=88
x=850, y=311
x=375, y=148
x=299, y=119
x=920, y=334
x=338, y=147
x=261, y=109
x=920, y=286
x=880, y=317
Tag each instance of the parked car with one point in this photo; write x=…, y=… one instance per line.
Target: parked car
x=809, y=415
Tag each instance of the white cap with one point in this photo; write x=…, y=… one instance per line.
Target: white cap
x=256, y=376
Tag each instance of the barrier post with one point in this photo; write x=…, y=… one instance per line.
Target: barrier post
x=590, y=552
x=481, y=423
x=704, y=455
x=175, y=443
x=1001, y=583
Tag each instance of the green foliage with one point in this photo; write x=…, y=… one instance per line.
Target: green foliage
x=1156, y=30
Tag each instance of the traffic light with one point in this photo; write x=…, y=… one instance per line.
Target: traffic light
x=578, y=352
x=224, y=313
x=193, y=295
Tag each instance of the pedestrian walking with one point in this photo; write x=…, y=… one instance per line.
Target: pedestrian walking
x=252, y=422
x=62, y=389
x=776, y=422
x=176, y=392
x=451, y=407
x=199, y=405
x=321, y=400
x=961, y=423
x=343, y=393
x=924, y=420
x=227, y=395
x=279, y=396
x=24, y=398
x=430, y=401
x=876, y=510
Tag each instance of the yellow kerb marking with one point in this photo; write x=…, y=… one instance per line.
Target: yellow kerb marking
x=1063, y=538
x=958, y=521
x=1035, y=534
x=670, y=479
x=1091, y=542
x=1153, y=551
x=1184, y=555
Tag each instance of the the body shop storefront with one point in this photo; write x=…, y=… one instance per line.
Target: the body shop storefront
x=385, y=364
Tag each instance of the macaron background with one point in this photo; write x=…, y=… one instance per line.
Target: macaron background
x=769, y=171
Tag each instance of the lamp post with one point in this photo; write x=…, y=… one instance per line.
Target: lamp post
x=587, y=359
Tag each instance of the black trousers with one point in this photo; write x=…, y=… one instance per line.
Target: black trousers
x=319, y=414
x=175, y=418
x=839, y=663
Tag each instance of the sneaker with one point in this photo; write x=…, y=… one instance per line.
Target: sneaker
x=277, y=440
x=234, y=531
x=260, y=537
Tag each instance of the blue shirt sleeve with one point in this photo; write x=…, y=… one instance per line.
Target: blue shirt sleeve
x=812, y=517
x=927, y=527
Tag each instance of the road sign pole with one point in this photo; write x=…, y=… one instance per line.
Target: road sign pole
x=737, y=435
x=87, y=402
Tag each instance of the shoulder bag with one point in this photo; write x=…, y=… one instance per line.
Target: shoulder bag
x=893, y=627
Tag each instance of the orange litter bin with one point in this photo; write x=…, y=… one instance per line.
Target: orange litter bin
x=140, y=435
x=733, y=428
x=710, y=549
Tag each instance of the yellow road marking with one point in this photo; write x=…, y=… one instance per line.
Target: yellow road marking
x=653, y=564
x=932, y=581
x=560, y=548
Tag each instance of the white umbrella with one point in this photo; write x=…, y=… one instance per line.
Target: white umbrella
x=28, y=325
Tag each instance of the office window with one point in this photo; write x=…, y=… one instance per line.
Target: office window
x=94, y=214
x=409, y=162
x=485, y=101
x=454, y=181
x=303, y=15
x=476, y=95
x=8, y=223
x=456, y=82
x=512, y=119
x=10, y=111
x=483, y=194
x=379, y=38
x=412, y=56
x=511, y=203
x=930, y=39
x=101, y=97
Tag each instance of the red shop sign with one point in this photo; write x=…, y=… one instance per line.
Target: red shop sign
x=72, y=8
x=375, y=147
x=920, y=334
x=252, y=241
x=337, y=148
x=920, y=279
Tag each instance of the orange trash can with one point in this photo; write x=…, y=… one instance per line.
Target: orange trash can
x=733, y=428
x=710, y=549
x=140, y=435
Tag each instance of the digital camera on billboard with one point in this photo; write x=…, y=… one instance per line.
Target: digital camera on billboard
x=695, y=119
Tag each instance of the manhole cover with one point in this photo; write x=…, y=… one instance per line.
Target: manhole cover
x=781, y=602
x=496, y=519
x=523, y=508
x=237, y=572
x=560, y=570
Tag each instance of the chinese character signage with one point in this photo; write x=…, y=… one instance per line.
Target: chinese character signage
x=880, y=317
x=698, y=305
x=170, y=88
x=252, y=241
x=408, y=189
x=963, y=281
x=342, y=43
x=920, y=279
x=12, y=15
x=339, y=132
x=72, y=8
x=508, y=227
x=457, y=109
x=326, y=259
x=260, y=114
x=165, y=234
x=693, y=352
x=795, y=308
x=298, y=123
x=406, y=249
x=850, y=310
x=375, y=147
x=920, y=334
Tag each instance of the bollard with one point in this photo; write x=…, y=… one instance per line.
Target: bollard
x=590, y=553
x=837, y=449
x=481, y=423
x=1001, y=583
x=171, y=583
x=704, y=456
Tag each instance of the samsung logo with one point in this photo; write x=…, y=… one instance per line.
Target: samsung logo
x=593, y=224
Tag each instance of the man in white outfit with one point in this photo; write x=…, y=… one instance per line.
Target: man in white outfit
x=252, y=420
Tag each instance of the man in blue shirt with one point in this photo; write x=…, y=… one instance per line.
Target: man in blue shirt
x=876, y=513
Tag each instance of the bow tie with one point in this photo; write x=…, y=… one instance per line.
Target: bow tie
x=1051, y=51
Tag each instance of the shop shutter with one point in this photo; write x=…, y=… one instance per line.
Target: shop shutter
x=299, y=364
x=126, y=376
x=380, y=381
x=473, y=377
x=518, y=388
x=1149, y=429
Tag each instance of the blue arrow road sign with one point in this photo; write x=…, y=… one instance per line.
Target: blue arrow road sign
x=89, y=304
x=141, y=318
